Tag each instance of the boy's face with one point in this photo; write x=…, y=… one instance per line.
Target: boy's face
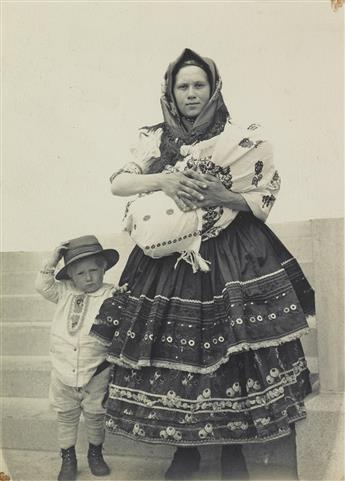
x=87, y=274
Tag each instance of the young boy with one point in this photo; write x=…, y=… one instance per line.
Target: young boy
x=80, y=374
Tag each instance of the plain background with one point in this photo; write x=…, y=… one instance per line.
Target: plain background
x=79, y=79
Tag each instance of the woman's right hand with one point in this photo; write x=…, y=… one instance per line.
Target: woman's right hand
x=186, y=192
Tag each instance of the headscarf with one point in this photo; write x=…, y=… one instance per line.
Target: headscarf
x=209, y=123
x=214, y=114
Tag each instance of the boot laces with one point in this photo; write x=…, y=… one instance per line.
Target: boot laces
x=68, y=456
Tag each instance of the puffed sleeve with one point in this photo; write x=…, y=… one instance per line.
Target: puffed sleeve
x=263, y=181
x=249, y=158
x=144, y=153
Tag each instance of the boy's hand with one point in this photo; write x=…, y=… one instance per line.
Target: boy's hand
x=57, y=254
x=119, y=289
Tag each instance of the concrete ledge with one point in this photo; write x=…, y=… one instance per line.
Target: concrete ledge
x=328, y=250
x=281, y=452
x=320, y=439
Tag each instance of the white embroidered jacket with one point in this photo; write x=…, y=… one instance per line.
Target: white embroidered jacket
x=74, y=356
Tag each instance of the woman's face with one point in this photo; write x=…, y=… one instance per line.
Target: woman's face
x=191, y=90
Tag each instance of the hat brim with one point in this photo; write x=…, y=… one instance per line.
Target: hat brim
x=110, y=255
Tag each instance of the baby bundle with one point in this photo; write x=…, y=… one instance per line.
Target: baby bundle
x=242, y=162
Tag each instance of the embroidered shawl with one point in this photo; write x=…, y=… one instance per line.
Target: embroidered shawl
x=240, y=157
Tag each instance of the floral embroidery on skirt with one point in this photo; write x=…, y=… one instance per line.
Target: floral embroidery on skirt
x=209, y=358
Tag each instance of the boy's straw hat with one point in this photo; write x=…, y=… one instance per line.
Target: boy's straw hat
x=85, y=246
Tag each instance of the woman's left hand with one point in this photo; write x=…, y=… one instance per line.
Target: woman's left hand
x=214, y=194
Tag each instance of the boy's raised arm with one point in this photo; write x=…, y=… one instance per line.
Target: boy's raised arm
x=45, y=282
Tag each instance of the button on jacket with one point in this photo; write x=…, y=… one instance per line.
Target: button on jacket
x=74, y=355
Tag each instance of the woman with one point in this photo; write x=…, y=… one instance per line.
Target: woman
x=206, y=358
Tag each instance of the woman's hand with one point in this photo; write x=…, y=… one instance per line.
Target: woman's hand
x=186, y=192
x=216, y=193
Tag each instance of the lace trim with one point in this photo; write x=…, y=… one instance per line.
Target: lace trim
x=174, y=298
x=243, y=346
x=250, y=281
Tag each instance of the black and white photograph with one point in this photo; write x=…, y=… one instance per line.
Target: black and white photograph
x=172, y=240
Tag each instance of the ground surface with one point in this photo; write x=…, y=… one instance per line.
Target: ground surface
x=24, y=465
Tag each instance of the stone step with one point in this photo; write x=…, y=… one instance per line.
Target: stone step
x=27, y=308
x=25, y=465
x=21, y=261
x=25, y=376
x=20, y=338
x=29, y=424
x=320, y=438
x=18, y=283
x=29, y=376
x=286, y=230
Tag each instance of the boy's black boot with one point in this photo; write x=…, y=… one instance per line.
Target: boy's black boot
x=98, y=466
x=68, y=471
x=185, y=463
x=233, y=464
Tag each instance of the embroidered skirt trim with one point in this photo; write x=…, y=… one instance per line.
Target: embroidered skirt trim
x=244, y=346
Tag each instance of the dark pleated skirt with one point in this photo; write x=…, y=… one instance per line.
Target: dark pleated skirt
x=209, y=358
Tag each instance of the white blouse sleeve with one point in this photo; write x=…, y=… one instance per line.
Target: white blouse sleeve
x=144, y=153
x=261, y=183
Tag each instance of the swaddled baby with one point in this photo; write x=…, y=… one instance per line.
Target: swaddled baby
x=242, y=164
x=160, y=228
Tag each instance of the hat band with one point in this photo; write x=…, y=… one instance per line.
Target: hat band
x=90, y=249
